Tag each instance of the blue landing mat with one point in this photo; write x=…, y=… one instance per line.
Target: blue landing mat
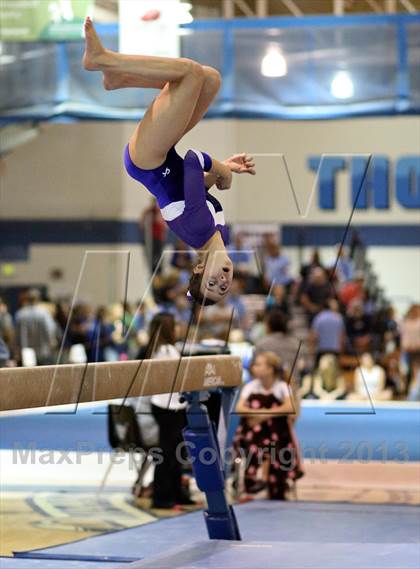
x=337, y=529
x=281, y=555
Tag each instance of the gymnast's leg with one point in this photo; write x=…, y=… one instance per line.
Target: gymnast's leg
x=119, y=80
x=174, y=110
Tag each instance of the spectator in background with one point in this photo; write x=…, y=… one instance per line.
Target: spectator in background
x=328, y=329
x=166, y=296
x=245, y=263
x=181, y=308
x=182, y=260
x=169, y=414
x=287, y=348
x=410, y=341
x=343, y=264
x=277, y=339
x=218, y=319
x=276, y=266
x=123, y=333
x=154, y=231
x=316, y=293
x=356, y=244
x=390, y=331
x=314, y=262
x=146, y=309
x=258, y=328
x=414, y=391
x=369, y=303
x=80, y=323
x=236, y=302
x=239, y=256
x=181, y=311
x=369, y=381
x=263, y=429
x=395, y=380
x=62, y=313
x=140, y=318
x=36, y=329
x=7, y=332
x=326, y=382
x=352, y=290
x=99, y=338
x=358, y=328
x=127, y=315
x=165, y=289
x=128, y=330
x=4, y=353
x=277, y=299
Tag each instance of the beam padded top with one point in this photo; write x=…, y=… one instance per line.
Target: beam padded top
x=45, y=386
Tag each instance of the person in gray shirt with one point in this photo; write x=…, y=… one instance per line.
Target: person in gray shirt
x=36, y=329
x=285, y=346
x=278, y=340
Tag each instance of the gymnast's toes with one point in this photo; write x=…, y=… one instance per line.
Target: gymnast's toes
x=95, y=54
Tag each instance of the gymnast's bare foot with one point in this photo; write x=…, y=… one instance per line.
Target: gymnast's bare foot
x=96, y=57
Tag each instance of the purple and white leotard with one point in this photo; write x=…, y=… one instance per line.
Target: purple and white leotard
x=188, y=208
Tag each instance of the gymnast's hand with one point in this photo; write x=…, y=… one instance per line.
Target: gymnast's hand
x=224, y=177
x=241, y=164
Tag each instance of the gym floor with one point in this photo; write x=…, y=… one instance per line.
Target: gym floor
x=348, y=514
x=277, y=534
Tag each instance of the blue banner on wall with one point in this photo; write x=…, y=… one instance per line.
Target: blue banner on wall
x=370, y=181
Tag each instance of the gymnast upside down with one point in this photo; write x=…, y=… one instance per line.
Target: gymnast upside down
x=179, y=185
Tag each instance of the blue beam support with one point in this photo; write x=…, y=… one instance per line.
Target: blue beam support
x=201, y=440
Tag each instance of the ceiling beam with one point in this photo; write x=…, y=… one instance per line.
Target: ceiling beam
x=409, y=6
x=339, y=7
x=261, y=8
x=228, y=9
x=293, y=8
x=374, y=5
x=243, y=6
x=391, y=6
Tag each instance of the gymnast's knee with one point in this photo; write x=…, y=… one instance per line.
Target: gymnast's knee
x=194, y=69
x=212, y=77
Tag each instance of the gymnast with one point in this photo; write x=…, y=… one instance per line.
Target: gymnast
x=179, y=185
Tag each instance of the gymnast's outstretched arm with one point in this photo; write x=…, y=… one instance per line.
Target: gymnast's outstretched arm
x=238, y=164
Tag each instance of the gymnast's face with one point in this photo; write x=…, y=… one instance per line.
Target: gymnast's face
x=217, y=276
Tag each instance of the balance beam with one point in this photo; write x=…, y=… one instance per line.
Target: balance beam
x=47, y=386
